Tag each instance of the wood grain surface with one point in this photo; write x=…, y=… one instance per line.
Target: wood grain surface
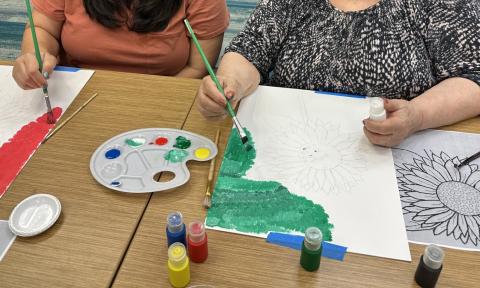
x=87, y=244
x=243, y=261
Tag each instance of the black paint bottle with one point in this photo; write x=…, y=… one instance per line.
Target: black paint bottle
x=430, y=266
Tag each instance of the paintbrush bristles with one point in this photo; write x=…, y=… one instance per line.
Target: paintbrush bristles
x=207, y=201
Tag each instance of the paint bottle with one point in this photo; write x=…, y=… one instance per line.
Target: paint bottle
x=176, y=231
x=377, y=111
x=430, y=266
x=197, y=242
x=311, y=249
x=178, y=265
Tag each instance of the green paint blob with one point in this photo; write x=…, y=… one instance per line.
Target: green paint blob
x=182, y=143
x=175, y=155
x=135, y=142
x=259, y=206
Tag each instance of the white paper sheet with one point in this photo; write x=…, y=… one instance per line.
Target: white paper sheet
x=313, y=144
x=6, y=238
x=19, y=107
x=441, y=204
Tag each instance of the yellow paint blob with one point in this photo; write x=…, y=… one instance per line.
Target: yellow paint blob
x=202, y=153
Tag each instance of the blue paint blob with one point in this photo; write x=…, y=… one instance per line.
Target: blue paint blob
x=112, y=153
x=116, y=183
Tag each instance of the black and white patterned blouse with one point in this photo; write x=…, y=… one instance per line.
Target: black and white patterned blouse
x=394, y=49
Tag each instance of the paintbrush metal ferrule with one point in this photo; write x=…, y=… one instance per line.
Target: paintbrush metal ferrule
x=241, y=131
x=50, y=117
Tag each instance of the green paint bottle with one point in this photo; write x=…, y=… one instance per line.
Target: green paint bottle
x=311, y=249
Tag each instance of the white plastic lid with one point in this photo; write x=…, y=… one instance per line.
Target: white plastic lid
x=313, y=238
x=34, y=215
x=196, y=231
x=376, y=105
x=177, y=254
x=433, y=256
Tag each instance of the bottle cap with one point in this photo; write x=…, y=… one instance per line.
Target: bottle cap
x=376, y=106
x=433, y=256
x=175, y=222
x=313, y=238
x=177, y=255
x=196, y=231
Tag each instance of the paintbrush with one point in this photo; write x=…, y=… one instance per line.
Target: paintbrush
x=50, y=117
x=69, y=118
x=207, y=201
x=241, y=131
x=468, y=160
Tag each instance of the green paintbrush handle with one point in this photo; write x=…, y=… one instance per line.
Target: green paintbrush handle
x=34, y=36
x=207, y=65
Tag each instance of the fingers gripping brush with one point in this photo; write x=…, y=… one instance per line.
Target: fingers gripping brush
x=231, y=112
x=50, y=117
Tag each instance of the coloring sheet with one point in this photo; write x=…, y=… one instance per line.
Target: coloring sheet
x=310, y=165
x=441, y=204
x=23, y=116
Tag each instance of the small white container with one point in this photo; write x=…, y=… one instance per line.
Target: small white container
x=377, y=110
x=34, y=215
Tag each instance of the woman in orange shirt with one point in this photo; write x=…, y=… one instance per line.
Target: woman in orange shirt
x=141, y=36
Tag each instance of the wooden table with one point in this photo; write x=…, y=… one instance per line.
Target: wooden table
x=91, y=245
x=242, y=261
x=87, y=244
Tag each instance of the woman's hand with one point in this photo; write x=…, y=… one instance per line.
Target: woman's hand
x=403, y=119
x=26, y=71
x=211, y=102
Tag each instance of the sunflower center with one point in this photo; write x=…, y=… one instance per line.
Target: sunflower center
x=459, y=197
x=321, y=158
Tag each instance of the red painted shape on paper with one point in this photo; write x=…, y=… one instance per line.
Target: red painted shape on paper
x=15, y=153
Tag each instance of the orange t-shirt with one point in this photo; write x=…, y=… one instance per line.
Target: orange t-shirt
x=88, y=44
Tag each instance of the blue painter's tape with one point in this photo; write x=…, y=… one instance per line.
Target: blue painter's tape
x=66, y=69
x=287, y=240
x=329, y=250
x=341, y=94
x=333, y=251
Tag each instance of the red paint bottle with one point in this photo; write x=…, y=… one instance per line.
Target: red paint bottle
x=197, y=242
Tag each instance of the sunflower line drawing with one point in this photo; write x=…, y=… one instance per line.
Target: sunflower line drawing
x=316, y=155
x=437, y=196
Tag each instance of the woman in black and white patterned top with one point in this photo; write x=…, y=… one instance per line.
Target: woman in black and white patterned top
x=426, y=51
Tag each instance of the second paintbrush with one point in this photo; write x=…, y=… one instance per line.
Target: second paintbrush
x=231, y=112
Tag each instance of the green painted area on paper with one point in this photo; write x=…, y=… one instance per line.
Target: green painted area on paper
x=135, y=142
x=182, y=143
x=176, y=155
x=259, y=206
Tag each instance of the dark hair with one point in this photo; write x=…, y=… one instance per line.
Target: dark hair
x=146, y=15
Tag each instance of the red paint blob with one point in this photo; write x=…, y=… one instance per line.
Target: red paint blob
x=161, y=141
x=198, y=251
x=15, y=153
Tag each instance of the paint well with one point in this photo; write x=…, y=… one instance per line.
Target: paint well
x=112, y=153
x=176, y=155
x=116, y=184
x=182, y=142
x=202, y=153
x=135, y=142
x=161, y=141
x=259, y=206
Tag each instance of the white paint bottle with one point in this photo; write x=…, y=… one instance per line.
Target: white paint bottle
x=377, y=111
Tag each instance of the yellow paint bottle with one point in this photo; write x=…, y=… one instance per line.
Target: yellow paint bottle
x=178, y=265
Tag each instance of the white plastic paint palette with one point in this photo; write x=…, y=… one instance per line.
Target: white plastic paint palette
x=131, y=162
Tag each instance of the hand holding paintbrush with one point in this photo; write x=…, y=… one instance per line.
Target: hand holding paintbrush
x=50, y=117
